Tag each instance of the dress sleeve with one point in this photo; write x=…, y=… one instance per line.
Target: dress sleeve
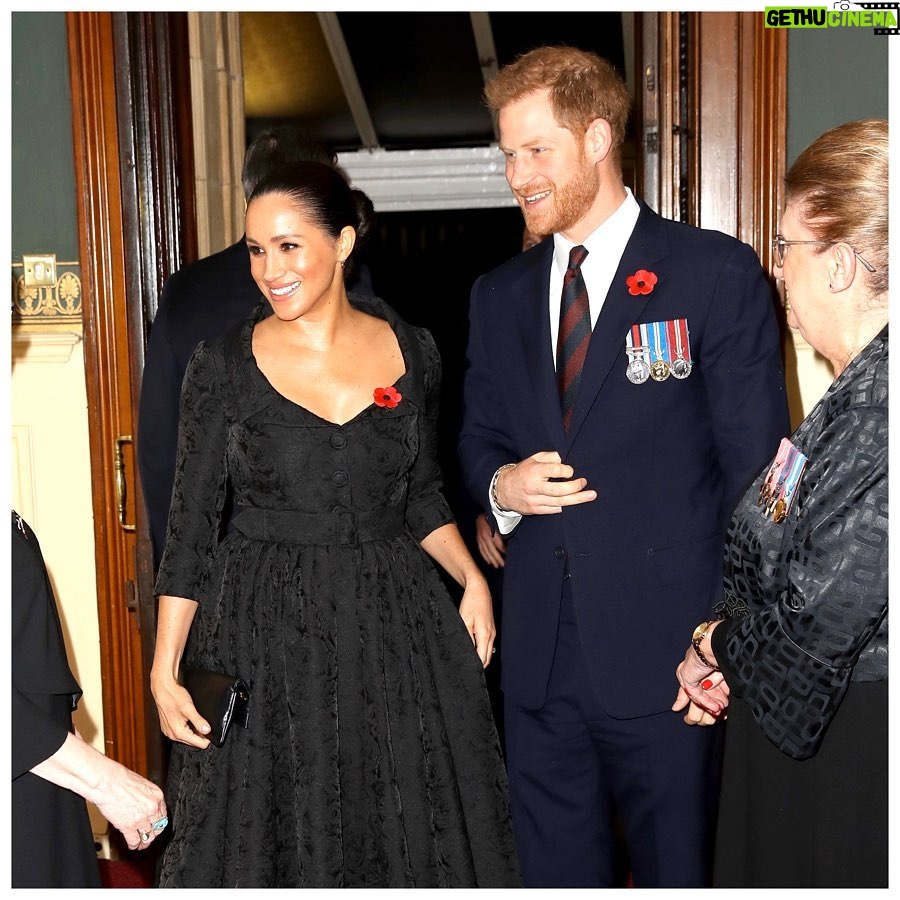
x=42, y=683
x=200, y=479
x=426, y=507
x=792, y=661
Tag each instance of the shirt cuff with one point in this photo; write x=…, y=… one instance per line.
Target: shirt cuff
x=506, y=519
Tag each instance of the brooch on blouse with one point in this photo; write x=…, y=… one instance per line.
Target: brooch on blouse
x=780, y=484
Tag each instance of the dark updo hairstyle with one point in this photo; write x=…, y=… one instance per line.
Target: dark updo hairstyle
x=324, y=198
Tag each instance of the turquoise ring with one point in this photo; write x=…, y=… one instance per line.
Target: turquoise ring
x=160, y=823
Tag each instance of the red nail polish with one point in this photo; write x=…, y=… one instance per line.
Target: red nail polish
x=706, y=685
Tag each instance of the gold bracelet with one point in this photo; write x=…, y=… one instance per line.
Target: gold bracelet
x=700, y=633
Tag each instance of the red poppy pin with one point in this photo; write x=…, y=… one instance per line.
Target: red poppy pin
x=388, y=397
x=641, y=282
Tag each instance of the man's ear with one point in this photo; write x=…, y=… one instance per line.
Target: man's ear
x=598, y=141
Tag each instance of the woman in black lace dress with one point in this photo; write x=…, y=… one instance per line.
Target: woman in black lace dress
x=370, y=758
x=803, y=645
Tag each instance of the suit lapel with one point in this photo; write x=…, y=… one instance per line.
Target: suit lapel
x=646, y=247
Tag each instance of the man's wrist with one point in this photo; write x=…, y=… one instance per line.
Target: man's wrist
x=495, y=501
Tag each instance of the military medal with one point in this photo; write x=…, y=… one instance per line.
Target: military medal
x=785, y=472
x=765, y=491
x=638, y=371
x=679, y=337
x=637, y=348
x=659, y=368
x=794, y=467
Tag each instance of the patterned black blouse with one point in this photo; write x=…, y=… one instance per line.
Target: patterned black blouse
x=810, y=594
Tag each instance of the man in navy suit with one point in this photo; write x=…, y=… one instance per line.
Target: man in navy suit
x=615, y=516
x=203, y=300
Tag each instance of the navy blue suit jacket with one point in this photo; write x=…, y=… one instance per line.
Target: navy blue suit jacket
x=668, y=459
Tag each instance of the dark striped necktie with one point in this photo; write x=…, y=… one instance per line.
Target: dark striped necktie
x=574, y=332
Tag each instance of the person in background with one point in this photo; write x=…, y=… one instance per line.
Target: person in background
x=200, y=301
x=53, y=769
x=370, y=757
x=798, y=656
x=491, y=546
x=610, y=460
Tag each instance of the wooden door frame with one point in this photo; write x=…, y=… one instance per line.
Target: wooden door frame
x=711, y=110
x=108, y=378
x=135, y=190
x=157, y=175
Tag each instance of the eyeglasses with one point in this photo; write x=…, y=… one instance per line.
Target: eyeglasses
x=780, y=245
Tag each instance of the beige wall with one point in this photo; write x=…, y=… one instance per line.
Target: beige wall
x=51, y=489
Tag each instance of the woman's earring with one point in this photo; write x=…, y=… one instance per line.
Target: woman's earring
x=343, y=261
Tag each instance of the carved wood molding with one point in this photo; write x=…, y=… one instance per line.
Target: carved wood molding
x=726, y=133
x=100, y=225
x=741, y=125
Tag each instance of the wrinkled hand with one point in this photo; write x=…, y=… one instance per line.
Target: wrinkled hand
x=177, y=713
x=527, y=488
x=130, y=803
x=477, y=613
x=492, y=547
x=702, y=686
x=696, y=715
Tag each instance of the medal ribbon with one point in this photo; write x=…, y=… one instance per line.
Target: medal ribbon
x=662, y=347
x=784, y=448
x=795, y=469
x=637, y=337
x=679, y=338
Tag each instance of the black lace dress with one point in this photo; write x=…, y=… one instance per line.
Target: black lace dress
x=370, y=758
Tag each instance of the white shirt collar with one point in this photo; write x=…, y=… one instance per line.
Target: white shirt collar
x=611, y=235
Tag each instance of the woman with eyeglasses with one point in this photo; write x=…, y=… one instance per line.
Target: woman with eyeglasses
x=797, y=661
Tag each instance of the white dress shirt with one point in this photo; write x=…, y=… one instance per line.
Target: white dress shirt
x=605, y=246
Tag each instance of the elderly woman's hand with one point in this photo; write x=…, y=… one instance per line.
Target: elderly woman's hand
x=702, y=686
x=131, y=803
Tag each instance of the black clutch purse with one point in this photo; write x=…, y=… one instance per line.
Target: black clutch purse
x=223, y=700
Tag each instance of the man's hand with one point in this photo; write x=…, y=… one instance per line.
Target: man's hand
x=541, y=485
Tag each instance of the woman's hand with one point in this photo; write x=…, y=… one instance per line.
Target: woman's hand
x=129, y=802
x=696, y=715
x=476, y=610
x=132, y=804
x=701, y=686
x=178, y=717
x=492, y=547
x=445, y=546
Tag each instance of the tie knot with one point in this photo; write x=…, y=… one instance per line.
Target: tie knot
x=577, y=256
